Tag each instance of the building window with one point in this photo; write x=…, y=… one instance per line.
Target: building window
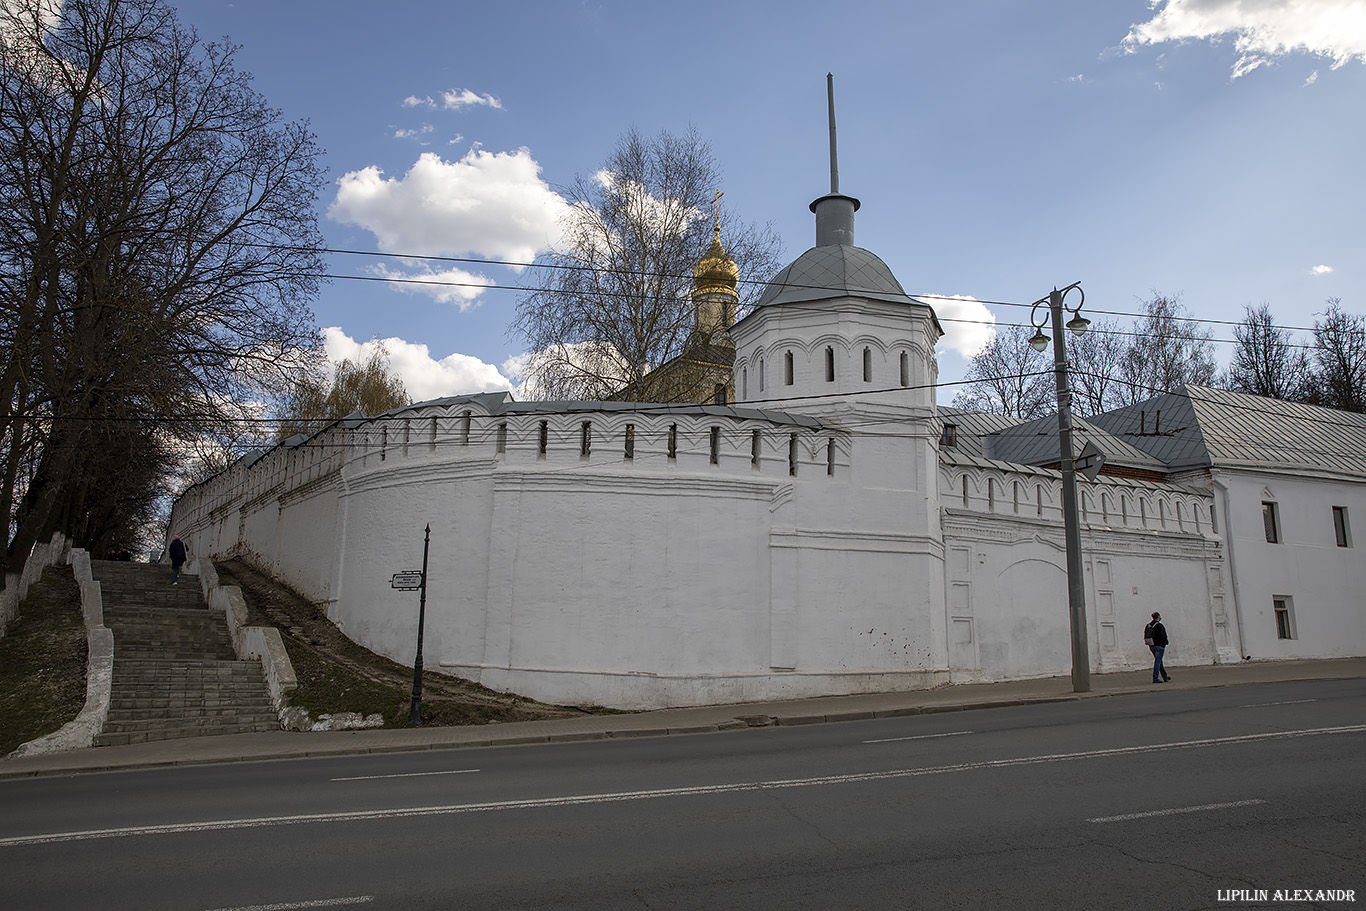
x=465, y=420
x=1016, y=495
x=792, y=455
x=544, y=438
x=949, y=435
x=1271, y=522
x=1285, y=616
x=1038, y=500
x=829, y=364
x=1341, y=529
x=755, y=447
x=991, y=494
x=383, y=442
x=830, y=458
x=630, y=441
x=867, y=365
x=744, y=382
x=787, y=368
x=719, y=394
x=965, y=491
x=761, y=374
x=673, y=441
x=585, y=438
x=716, y=445
x=502, y=444
x=905, y=369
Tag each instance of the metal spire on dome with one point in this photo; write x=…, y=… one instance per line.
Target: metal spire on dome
x=835, y=212
x=834, y=155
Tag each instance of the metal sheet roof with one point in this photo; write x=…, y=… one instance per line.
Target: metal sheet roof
x=1198, y=426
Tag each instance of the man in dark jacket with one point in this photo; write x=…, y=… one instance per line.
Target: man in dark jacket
x=1155, y=634
x=177, y=550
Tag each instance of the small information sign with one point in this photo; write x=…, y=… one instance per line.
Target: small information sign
x=409, y=581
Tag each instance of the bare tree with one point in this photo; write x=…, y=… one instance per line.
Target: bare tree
x=612, y=300
x=1339, y=360
x=313, y=402
x=158, y=247
x=1266, y=360
x=1008, y=377
x=1094, y=360
x=1168, y=350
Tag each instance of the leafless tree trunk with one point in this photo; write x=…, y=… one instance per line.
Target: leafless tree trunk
x=1339, y=360
x=1266, y=360
x=1008, y=377
x=1168, y=350
x=157, y=251
x=612, y=301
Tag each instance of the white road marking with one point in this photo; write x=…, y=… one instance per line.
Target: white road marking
x=1175, y=810
x=919, y=737
x=1257, y=705
x=314, y=903
x=406, y=775
x=217, y=825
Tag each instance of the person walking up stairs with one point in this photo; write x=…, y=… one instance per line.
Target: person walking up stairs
x=175, y=672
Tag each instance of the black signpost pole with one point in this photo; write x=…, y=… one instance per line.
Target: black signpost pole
x=415, y=712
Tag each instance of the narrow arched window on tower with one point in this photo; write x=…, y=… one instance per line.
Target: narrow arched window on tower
x=744, y=382
x=501, y=445
x=830, y=457
x=755, y=448
x=829, y=364
x=867, y=365
x=787, y=368
x=792, y=455
x=761, y=374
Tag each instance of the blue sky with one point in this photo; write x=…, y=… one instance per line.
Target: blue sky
x=1207, y=148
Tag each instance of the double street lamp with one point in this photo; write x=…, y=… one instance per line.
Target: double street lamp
x=1076, y=590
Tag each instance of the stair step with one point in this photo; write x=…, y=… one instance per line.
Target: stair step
x=119, y=738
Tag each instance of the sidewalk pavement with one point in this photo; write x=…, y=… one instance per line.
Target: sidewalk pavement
x=962, y=697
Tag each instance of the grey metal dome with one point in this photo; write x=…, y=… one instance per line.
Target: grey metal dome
x=834, y=270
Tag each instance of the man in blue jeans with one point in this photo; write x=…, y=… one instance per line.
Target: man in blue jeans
x=1155, y=634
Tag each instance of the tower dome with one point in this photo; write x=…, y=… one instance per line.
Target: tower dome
x=716, y=271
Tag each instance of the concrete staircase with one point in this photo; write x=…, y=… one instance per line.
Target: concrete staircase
x=175, y=673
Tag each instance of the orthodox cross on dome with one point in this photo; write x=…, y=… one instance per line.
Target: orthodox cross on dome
x=717, y=204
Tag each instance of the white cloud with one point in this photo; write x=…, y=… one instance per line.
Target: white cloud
x=412, y=101
x=1321, y=270
x=487, y=204
x=968, y=325
x=1077, y=78
x=417, y=134
x=447, y=286
x=1313, y=78
x=455, y=99
x=1264, y=30
x=423, y=376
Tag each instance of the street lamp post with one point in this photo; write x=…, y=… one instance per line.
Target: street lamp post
x=415, y=706
x=1076, y=590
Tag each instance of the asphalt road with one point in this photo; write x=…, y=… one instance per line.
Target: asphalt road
x=1193, y=799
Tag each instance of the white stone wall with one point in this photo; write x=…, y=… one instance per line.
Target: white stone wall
x=1325, y=584
x=600, y=579
x=1145, y=547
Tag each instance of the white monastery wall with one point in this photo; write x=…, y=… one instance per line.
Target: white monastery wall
x=1006, y=582
x=1322, y=585
x=739, y=572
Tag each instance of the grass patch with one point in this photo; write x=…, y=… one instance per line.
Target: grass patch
x=43, y=661
x=336, y=674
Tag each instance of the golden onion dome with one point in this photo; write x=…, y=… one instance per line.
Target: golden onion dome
x=716, y=271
